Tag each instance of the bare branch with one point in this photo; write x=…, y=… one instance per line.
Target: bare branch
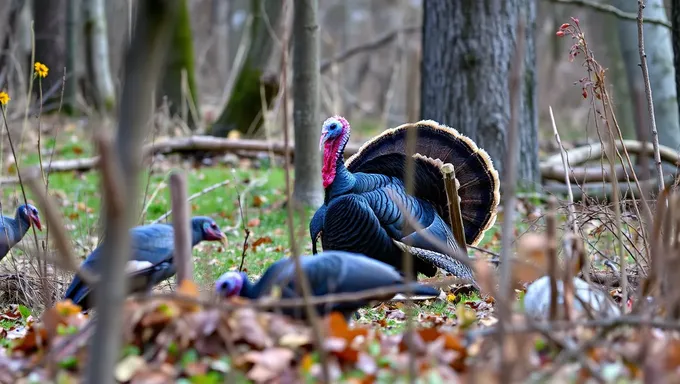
x=455, y=216
x=611, y=10
x=61, y=238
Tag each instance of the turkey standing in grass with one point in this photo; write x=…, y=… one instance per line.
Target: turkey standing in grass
x=12, y=230
x=330, y=272
x=151, y=259
x=360, y=215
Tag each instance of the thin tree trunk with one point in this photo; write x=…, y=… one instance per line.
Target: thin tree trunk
x=143, y=63
x=181, y=59
x=307, y=189
x=658, y=47
x=11, y=45
x=243, y=112
x=72, y=50
x=49, y=23
x=468, y=46
x=220, y=32
x=97, y=55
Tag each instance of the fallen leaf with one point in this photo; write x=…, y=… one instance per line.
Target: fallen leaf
x=254, y=222
x=269, y=363
x=294, y=340
x=259, y=241
x=128, y=367
x=258, y=201
x=188, y=288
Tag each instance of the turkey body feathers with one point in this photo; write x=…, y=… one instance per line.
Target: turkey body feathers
x=437, y=144
x=332, y=272
x=363, y=205
x=151, y=243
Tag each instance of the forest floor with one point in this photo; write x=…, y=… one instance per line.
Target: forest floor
x=243, y=345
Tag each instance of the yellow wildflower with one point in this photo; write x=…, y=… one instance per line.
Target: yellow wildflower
x=4, y=98
x=41, y=69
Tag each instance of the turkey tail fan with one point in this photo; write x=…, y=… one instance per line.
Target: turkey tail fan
x=437, y=144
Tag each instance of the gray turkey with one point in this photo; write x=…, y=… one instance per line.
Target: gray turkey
x=359, y=214
x=330, y=272
x=151, y=258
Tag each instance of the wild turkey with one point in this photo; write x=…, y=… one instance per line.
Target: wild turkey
x=359, y=215
x=12, y=230
x=328, y=273
x=151, y=258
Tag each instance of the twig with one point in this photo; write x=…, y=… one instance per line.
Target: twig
x=509, y=186
x=572, y=215
x=371, y=45
x=650, y=101
x=145, y=54
x=551, y=233
x=246, y=231
x=276, y=303
x=61, y=238
x=455, y=216
x=611, y=10
x=300, y=276
x=181, y=227
x=194, y=196
x=110, y=171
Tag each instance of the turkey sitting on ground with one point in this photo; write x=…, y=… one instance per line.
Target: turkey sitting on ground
x=360, y=215
x=12, y=230
x=151, y=258
x=329, y=272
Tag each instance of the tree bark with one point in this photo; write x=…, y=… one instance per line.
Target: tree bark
x=658, y=47
x=675, y=33
x=97, y=55
x=307, y=188
x=181, y=59
x=243, y=110
x=220, y=32
x=468, y=46
x=49, y=23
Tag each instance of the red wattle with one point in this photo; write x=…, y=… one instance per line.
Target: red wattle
x=330, y=157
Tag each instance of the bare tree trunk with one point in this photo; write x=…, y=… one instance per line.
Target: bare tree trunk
x=658, y=47
x=468, y=46
x=49, y=18
x=220, y=32
x=12, y=49
x=307, y=189
x=181, y=59
x=143, y=64
x=243, y=111
x=72, y=50
x=97, y=55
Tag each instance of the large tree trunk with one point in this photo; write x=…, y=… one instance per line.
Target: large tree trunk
x=307, y=189
x=97, y=55
x=181, y=99
x=220, y=33
x=243, y=111
x=661, y=72
x=49, y=18
x=468, y=46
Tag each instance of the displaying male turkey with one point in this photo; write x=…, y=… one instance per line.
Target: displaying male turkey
x=329, y=272
x=151, y=258
x=360, y=215
x=12, y=230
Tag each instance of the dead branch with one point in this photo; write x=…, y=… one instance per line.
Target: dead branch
x=194, y=196
x=455, y=216
x=611, y=10
x=601, y=191
x=369, y=46
x=181, y=226
x=55, y=221
x=650, y=101
x=144, y=56
x=595, y=173
x=565, y=167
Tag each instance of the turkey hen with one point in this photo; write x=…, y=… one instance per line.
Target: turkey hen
x=151, y=260
x=12, y=230
x=360, y=214
x=329, y=272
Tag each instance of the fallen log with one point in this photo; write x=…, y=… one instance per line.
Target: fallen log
x=596, y=173
x=602, y=191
